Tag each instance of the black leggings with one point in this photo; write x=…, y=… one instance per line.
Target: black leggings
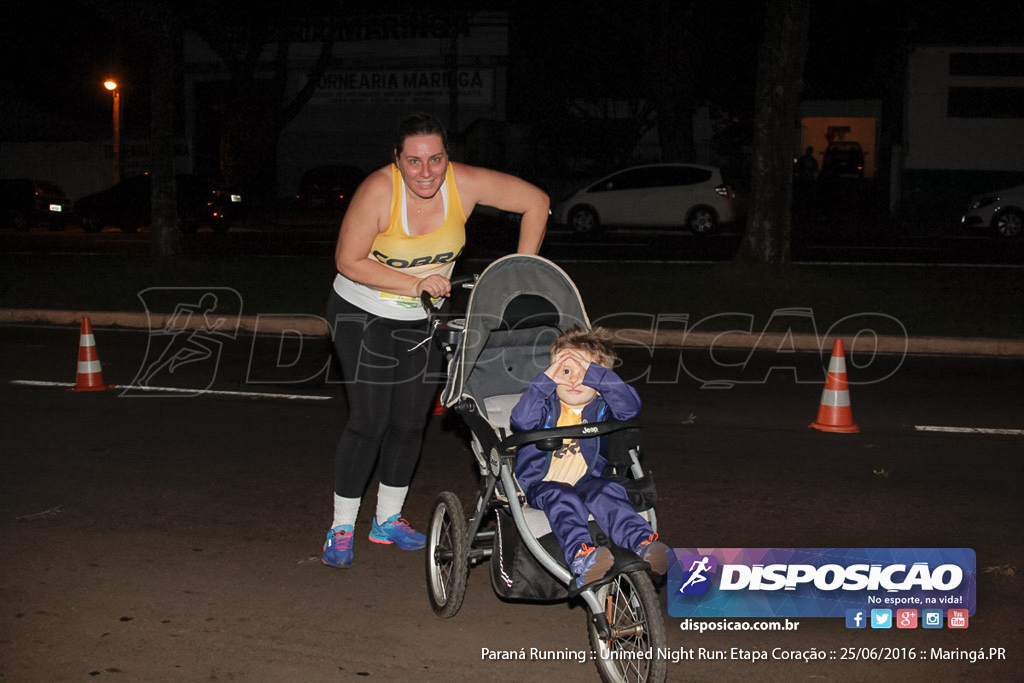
x=390, y=392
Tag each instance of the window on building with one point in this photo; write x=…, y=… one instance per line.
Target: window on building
x=1007, y=64
x=986, y=103
x=988, y=100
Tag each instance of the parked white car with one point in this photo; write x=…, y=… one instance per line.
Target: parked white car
x=1001, y=212
x=652, y=196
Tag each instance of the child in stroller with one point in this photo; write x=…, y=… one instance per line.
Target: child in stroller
x=517, y=307
x=579, y=387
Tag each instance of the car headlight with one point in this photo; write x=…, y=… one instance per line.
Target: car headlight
x=982, y=203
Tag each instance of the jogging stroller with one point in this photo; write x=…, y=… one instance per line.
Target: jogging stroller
x=518, y=305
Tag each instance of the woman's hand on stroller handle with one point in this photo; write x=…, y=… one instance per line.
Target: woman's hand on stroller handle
x=446, y=333
x=427, y=295
x=434, y=287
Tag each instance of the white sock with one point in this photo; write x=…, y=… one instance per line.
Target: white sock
x=390, y=500
x=345, y=511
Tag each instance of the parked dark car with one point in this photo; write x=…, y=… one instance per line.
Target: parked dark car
x=842, y=160
x=329, y=186
x=127, y=205
x=25, y=202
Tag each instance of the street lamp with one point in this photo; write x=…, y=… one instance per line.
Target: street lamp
x=111, y=85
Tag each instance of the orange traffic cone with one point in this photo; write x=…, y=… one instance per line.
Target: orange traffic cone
x=834, y=413
x=90, y=374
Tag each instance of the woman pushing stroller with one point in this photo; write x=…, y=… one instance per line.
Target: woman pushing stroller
x=400, y=238
x=567, y=484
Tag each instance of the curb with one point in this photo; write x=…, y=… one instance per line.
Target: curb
x=315, y=326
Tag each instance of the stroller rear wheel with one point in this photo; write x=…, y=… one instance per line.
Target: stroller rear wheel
x=633, y=650
x=447, y=555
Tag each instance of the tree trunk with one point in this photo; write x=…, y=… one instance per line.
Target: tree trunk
x=673, y=82
x=256, y=113
x=779, y=88
x=166, y=238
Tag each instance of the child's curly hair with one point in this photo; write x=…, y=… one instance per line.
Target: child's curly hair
x=595, y=342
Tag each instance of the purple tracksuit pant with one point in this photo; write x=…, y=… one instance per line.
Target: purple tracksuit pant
x=567, y=508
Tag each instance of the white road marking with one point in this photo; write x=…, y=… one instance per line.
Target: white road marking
x=174, y=390
x=970, y=430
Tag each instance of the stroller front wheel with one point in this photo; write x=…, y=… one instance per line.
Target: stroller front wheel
x=633, y=650
x=447, y=555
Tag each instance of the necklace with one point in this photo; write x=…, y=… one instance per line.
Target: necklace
x=419, y=206
x=420, y=202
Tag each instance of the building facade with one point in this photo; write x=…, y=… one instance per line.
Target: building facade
x=453, y=66
x=963, y=128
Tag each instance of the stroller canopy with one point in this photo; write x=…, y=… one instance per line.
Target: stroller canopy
x=520, y=302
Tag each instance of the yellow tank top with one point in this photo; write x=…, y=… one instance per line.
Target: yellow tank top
x=567, y=463
x=422, y=255
x=419, y=255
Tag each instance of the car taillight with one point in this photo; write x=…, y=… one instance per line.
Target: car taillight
x=724, y=190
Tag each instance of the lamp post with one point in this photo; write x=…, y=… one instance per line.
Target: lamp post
x=111, y=85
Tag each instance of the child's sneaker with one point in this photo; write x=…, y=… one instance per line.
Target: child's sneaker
x=591, y=564
x=653, y=552
x=398, y=531
x=338, y=547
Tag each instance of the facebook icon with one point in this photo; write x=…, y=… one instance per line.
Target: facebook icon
x=856, y=618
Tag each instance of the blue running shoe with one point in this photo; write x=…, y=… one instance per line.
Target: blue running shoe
x=655, y=553
x=398, y=531
x=591, y=564
x=338, y=547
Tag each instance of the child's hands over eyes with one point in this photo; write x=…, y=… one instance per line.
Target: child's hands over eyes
x=568, y=369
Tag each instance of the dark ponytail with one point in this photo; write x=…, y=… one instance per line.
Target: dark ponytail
x=418, y=124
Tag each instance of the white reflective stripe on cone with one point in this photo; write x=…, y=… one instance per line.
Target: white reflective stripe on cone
x=839, y=399
x=88, y=367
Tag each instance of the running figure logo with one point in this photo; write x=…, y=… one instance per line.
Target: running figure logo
x=696, y=568
x=194, y=334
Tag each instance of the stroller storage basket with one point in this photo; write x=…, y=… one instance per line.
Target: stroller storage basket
x=515, y=573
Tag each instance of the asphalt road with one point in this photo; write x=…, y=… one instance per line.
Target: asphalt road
x=164, y=537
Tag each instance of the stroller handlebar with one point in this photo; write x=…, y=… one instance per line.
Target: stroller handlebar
x=459, y=281
x=443, y=330
x=555, y=434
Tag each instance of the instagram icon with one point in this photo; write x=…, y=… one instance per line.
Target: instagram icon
x=931, y=618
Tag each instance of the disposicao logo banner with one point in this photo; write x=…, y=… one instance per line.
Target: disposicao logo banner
x=817, y=582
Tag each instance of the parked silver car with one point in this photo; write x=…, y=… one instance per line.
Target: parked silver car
x=653, y=196
x=1000, y=212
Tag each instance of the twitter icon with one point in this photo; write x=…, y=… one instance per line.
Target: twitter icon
x=881, y=618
